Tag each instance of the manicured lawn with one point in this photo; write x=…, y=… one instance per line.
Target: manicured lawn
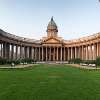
x=49, y=82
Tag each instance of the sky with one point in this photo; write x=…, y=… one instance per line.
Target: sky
x=29, y=18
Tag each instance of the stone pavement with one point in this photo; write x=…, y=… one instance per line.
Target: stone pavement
x=29, y=65
x=83, y=67
x=16, y=66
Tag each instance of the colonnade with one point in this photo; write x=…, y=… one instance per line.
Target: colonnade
x=49, y=53
x=14, y=51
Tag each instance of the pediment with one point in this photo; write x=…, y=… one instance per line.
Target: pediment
x=52, y=40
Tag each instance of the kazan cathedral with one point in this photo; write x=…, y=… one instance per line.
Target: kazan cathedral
x=49, y=48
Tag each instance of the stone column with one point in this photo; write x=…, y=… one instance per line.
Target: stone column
x=46, y=54
x=25, y=50
x=49, y=53
x=7, y=51
x=79, y=52
x=68, y=54
x=71, y=52
x=86, y=52
x=42, y=54
x=75, y=52
x=36, y=58
x=97, y=49
x=30, y=52
x=61, y=54
x=1, y=50
x=91, y=53
x=82, y=52
x=33, y=53
x=12, y=51
x=54, y=54
x=64, y=54
x=39, y=53
x=57, y=53
x=94, y=52
x=16, y=51
x=20, y=51
x=4, y=49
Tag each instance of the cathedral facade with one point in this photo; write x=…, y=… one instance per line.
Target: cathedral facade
x=50, y=48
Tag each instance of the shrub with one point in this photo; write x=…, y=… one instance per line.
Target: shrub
x=98, y=61
x=17, y=61
x=3, y=61
x=76, y=61
x=89, y=61
x=28, y=60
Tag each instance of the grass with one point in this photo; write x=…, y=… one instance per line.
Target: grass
x=49, y=82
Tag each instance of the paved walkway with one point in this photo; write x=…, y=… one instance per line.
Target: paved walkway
x=16, y=66
x=83, y=67
x=29, y=65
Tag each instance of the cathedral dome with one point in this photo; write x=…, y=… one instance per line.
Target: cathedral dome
x=52, y=25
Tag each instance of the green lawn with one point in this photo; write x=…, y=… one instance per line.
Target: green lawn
x=49, y=82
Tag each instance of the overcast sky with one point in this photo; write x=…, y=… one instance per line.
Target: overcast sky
x=29, y=18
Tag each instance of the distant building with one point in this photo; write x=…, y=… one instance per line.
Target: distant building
x=50, y=48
